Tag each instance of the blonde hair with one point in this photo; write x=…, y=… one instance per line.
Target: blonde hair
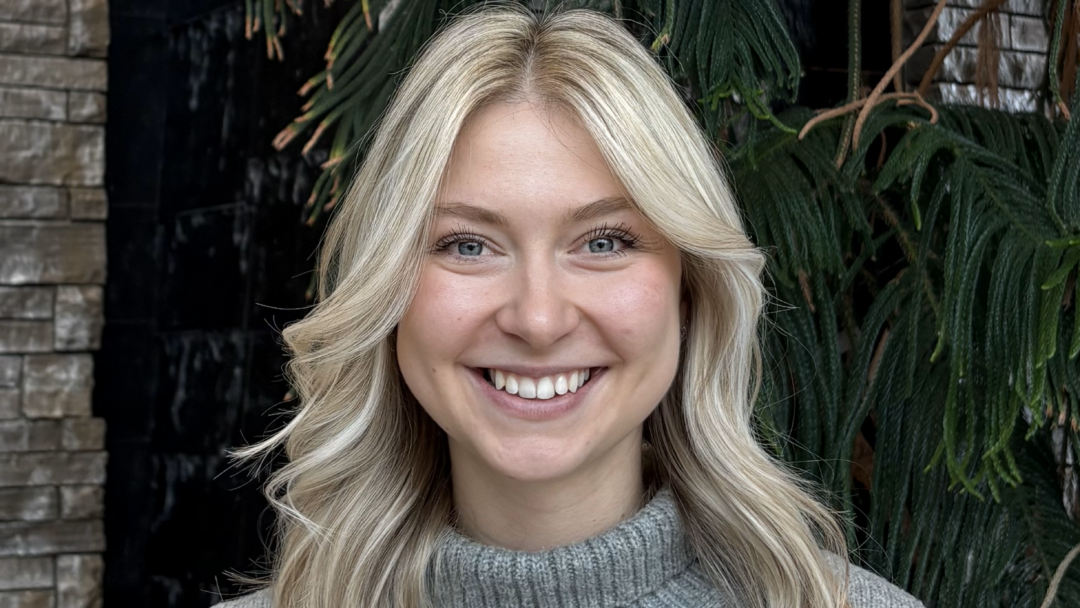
x=365, y=494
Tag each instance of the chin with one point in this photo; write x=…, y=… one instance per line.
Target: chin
x=537, y=459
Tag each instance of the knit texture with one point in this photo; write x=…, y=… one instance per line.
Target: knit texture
x=644, y=562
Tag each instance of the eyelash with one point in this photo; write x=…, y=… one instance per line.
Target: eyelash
x=620, y=232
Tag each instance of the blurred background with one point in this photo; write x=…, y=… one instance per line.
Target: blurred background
x=163, y=187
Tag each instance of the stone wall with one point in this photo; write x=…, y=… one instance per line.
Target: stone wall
x=52, y=269
x=1023, y=42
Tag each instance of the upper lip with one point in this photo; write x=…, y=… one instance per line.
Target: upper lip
x=538, y=371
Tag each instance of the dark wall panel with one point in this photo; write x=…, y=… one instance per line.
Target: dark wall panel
x=205, y=251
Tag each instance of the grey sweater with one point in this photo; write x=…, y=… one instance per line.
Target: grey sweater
x=644, y=562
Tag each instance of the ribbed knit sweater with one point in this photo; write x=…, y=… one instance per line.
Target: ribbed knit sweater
x=644, y=562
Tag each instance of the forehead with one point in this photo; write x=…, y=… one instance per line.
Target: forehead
x=526, y=157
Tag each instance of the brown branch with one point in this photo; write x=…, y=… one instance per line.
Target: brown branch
x=827, y=114
x=884, y=150
x=960, y=32
x=922, y=103
x=877, y=95
x=1058, y=575
x=896, y=27
x=875, y=360
x=808, y=295
x=902, y=98
x=872, y=99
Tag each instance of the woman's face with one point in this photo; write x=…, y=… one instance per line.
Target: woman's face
x=546, y=324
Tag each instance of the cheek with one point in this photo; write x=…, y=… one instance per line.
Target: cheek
x=637, y=312
x=438, y=325
x=444, y=301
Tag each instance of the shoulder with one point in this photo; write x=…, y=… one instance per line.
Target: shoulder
x=257, y=599
x=868, y=590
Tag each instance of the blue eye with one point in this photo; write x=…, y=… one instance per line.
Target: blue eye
x=470, y=248
x=611, y=241
x=461, y=244
x=602, y=245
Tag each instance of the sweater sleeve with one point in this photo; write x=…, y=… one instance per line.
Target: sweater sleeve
x=868, y=590
x=258, y=599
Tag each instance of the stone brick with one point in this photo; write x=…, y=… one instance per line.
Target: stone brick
x=45, y=537
x=26, y=336
x=36, y=598
x=18, y=102
x=53, y=72
x=86, y=107
x=1019, y=100
x=1029, y=34
x=78, y=581
x=1027, y=7
x=10, y=370
x=88, y=203
x=1022, y=70
x=82, y=502
x=79, y=317
x=52, y=253
x=56, y=386
x=32, y=202
x=83, y=434
x=26, y=302
x=38, y=11
x=51, y=468
x=33, y=38
x=9, y=403
x=26, y=573
x=948, y=22
x=52, y=153
x=29, y=435
x=1016, y=70
x=1012, y=100
x=27, y=504
x=89, y=27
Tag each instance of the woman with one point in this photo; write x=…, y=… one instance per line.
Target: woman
x=528, y=380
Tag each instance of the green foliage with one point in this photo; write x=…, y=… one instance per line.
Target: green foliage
x=726, y=49
x=926, y=293
x=933, y=299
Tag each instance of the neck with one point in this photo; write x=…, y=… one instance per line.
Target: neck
x=533, y=515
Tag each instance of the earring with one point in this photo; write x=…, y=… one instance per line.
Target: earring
x=682, y=333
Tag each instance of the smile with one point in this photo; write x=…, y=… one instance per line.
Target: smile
x=543, y=388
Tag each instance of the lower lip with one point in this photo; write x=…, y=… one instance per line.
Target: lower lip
x=537, y=409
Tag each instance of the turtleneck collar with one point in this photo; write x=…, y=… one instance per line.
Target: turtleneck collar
x=614, y=568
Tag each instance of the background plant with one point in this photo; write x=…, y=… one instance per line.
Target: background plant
x=924, y=260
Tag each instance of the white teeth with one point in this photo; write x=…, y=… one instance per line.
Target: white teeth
x=561, y=384
x=545, y=388
x=526, y=387
x=538, y=388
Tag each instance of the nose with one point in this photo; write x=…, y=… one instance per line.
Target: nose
x=540, y=306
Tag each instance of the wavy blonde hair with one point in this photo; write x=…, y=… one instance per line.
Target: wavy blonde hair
x=365, y=494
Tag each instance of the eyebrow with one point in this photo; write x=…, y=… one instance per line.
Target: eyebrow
x=588, y=211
